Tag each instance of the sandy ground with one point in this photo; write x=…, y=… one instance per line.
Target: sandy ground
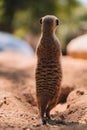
x=18, y=109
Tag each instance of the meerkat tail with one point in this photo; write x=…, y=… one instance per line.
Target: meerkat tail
x=43, y=107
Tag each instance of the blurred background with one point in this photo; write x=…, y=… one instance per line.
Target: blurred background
x=19, y=35
x=21, y=18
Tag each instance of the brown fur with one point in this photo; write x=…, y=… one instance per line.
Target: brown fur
x=48, y=71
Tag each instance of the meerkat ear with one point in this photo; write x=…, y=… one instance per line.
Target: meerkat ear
x=57, y=22
x=40, y=20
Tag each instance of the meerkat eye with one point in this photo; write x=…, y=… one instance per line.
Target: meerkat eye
x=57, y=22
x=40, y=20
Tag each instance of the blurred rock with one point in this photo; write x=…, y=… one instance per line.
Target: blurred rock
x=78, y=47
x=11, y=43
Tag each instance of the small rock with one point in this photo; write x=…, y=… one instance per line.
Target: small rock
x=78, y=47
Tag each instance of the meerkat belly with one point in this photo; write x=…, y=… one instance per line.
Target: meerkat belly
x=48, y=78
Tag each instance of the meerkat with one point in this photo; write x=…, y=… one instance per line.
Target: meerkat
x=48, y=71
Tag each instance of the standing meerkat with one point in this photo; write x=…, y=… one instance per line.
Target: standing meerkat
x=48, y=70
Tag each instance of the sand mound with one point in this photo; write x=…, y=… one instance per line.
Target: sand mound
x=18, y=108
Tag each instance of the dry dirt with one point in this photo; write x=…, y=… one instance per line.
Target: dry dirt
x=18, y=109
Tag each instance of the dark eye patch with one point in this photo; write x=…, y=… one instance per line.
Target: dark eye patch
x=57, y=22
x=40, y=20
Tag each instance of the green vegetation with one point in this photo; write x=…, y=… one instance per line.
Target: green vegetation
x=22, y=16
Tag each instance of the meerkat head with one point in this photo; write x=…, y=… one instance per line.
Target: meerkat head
x=49, y=23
